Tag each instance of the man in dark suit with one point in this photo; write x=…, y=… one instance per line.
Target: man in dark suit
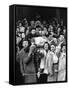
x=27, y=66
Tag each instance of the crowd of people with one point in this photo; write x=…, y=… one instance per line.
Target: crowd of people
x=41, y=50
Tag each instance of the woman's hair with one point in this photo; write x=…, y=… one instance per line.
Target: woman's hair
x=63, y=44
x=52, y=44
x=48, y=45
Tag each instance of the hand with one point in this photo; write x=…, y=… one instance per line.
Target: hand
x=38, y=74
x=32, y=47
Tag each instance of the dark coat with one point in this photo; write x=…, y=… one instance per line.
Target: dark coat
x=27, y=67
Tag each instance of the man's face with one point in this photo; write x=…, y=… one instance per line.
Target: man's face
x=26, y=24
x=25, y=44
x=32, y=23
x=45, y=30
x=53, y=48
x=46, y=46
x=43, y=33
x=33, y=31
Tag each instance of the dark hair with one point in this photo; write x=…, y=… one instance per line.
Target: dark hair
x=63, y=44
x=53, y=43
x=48, y=45
x=27, y=48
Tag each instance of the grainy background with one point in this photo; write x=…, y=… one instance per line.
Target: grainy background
x=4, y=44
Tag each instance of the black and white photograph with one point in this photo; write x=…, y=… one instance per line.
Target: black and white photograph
x=40, y=44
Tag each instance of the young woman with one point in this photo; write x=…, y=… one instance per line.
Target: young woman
x=54, y=60
x=45, y=65
x=62, y=64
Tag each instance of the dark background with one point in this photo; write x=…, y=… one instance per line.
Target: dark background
x=46, y=13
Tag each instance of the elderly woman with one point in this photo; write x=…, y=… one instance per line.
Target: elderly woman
x=62, y=64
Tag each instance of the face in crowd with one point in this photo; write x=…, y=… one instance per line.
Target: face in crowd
x=46, y=46
x=25, y=44
x=32, y=23
x=20, y=24
x=37, y=30
x=26, y=23
x=64, y=49
x=17, y=29
x=23, y=35
x=33, y=31
x=64, y=31
x=53, y=48
x=44, y=22
x=61, y=38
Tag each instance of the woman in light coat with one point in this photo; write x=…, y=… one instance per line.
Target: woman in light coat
x=62, y=64
x=45, y=65
x=54, y=63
